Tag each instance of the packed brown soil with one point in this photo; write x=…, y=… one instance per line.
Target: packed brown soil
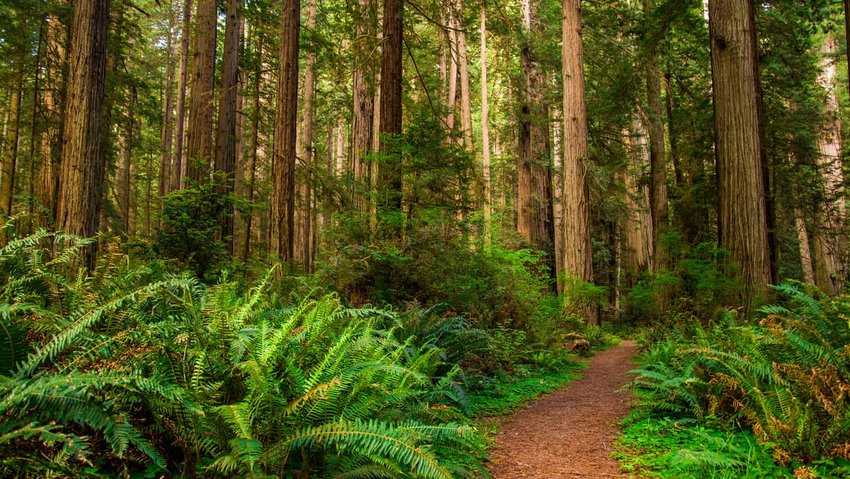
x=569, y=433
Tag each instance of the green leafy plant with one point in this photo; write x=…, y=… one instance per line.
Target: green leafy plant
x=785, y=378
x=133, y=369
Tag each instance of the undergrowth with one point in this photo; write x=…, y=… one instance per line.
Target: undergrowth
x=506, y=393
x=735, y=397
x=666, y=448
x=134, y=370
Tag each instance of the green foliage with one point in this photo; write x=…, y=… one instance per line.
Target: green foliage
x=494, y=286
x=784, y=378
x=580, y=295
x=699, y=285
x=505, y=393
x=665, y=448
x=133, y=369
x=191, y=228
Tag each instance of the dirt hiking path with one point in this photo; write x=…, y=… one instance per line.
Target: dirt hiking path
x=569, y=433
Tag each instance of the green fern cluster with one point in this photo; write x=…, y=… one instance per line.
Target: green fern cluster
x=133, y=369
x=786, y=378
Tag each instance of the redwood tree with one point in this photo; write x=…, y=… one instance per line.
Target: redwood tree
x=225, y=147
x=82, y=177
x=577, y=262
x=200, y=134
x=390, y=111
x=741, y=188
x=535, y=219
x=282, y=241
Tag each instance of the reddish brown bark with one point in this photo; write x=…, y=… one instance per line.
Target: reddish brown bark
x=200, y=133
x=390, y=111
x=282, y=241
x=82, y=178
x=741, y=182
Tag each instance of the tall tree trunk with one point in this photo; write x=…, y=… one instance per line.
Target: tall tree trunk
x=178, y=166
x=463, y=71
x=657, y=161
x=306, y=145
x=743, y=209
x=286, y=123
x=451, y=100
x=558, y=191
x=225, y=148
x=847, y=37
x=364, y=103
x=638, y=224
x=242, y=135
x=10, y=163
x=200, y=138
x=340, y=147
x=390, y=111
x=534, y=194
x=830, y=233
x=81, y=183
x=255, y=132
x=671, y=130
x=51, y=134
x=36, y=126
x=168, y=113
x=805, y=250
x=578, y=259
x=126, y=163
x=485, y=128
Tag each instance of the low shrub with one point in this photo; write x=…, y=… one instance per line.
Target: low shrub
x=785, y=378
x=135, y=371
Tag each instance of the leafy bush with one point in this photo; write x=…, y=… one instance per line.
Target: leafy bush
x=136, y=370
x=494, y=287
x=683, y=450
x=699, y=285
x=786, y=378
x=191, y=228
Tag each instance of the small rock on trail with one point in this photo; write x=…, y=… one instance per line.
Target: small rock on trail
x=569, y=433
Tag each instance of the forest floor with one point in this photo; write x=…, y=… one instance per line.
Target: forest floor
x=569, y=433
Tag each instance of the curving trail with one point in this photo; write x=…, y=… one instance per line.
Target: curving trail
x=569, y=433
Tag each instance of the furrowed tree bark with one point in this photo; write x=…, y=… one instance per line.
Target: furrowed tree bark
x=671, y=130
x=200, y=135
x=36, y=125
x=558, y=192
x=657, y=160
x=829, y=234
x=242, y=135
x=485, y=128
x=364, y=103
x=638, y=223
x=48, y=175
x=306, y=147
x=178, y=166
x=126, y=160
x=805, y=249
x=83, y=168
x=10, y=163
x=390, y=174
x=451, y=99
x=578, y=259
x=282, y=238
x=167, y=137
x=255, y=133
x=535, y=220
x=225, y=148
x=742, y=195
x=463, y=72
